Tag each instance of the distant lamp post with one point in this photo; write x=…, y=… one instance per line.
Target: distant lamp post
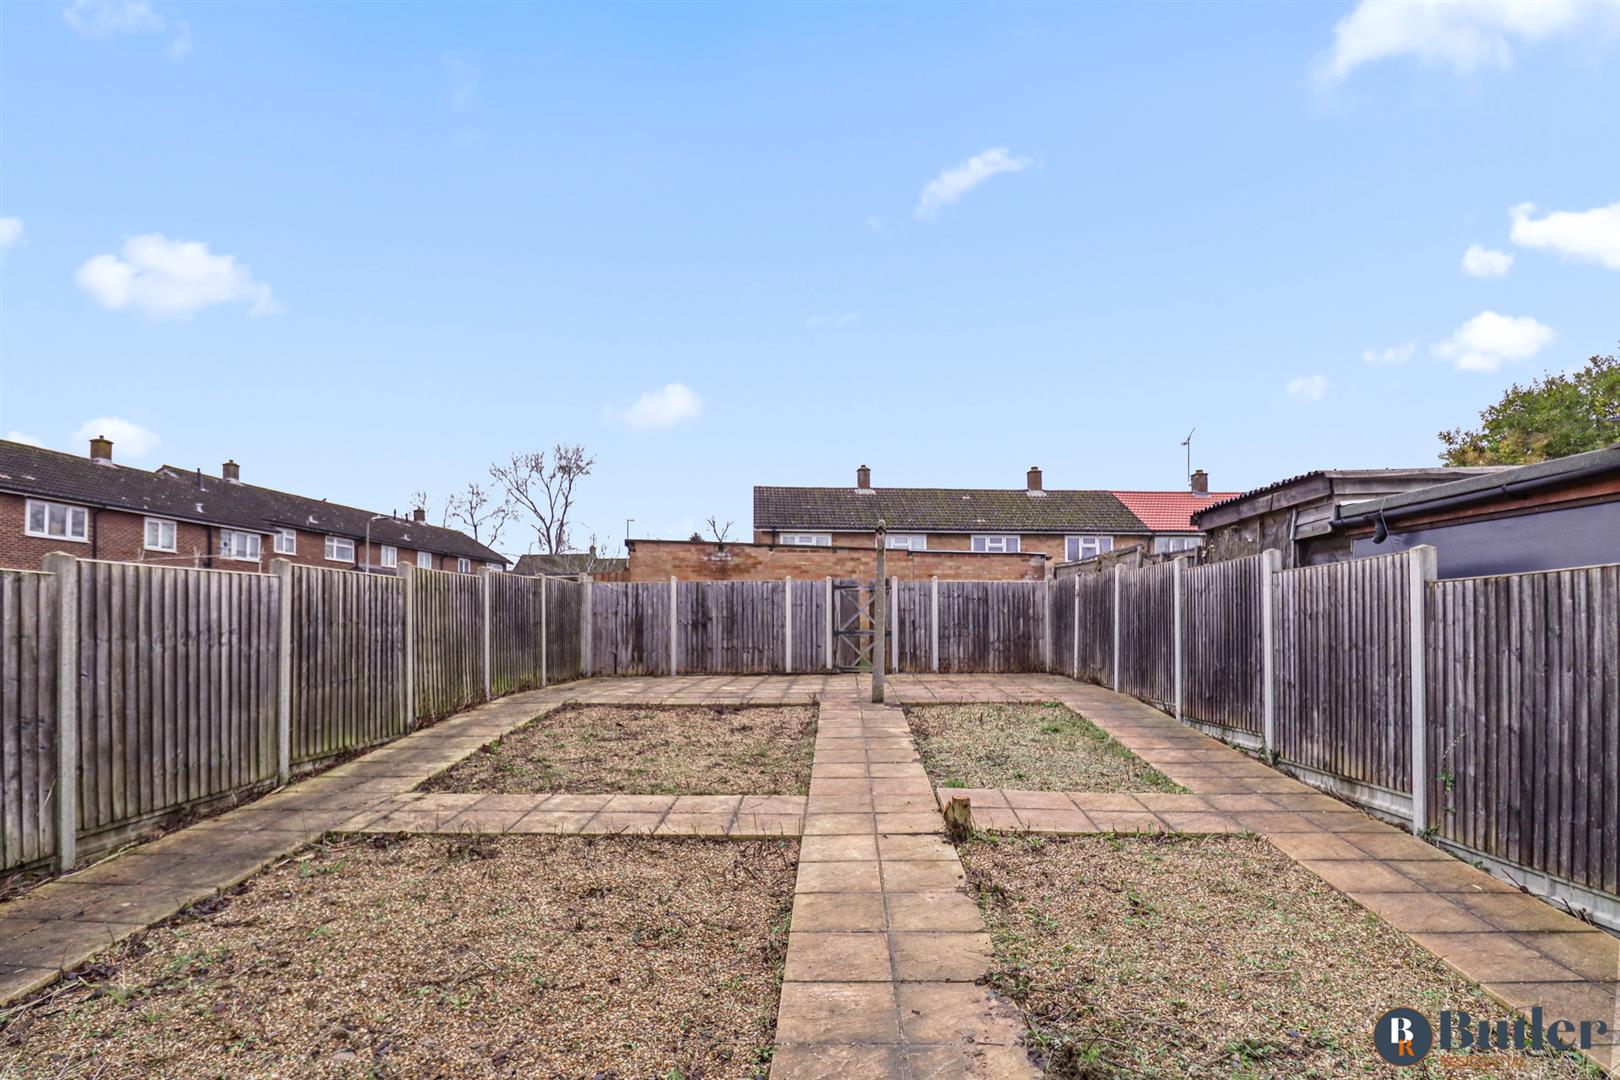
x=373, y=517
x=627, y=524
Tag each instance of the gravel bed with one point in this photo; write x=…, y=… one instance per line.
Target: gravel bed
x=1202, y=957
x=1029, y=747
x=440, y=957
x=686, y=750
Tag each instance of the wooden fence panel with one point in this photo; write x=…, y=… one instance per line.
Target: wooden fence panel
x=348, y=668
x=1060, y=617
x=177, y=688
x=514, y=639
x=1523, y=704
x=1147, y=634
x=914, y=623
x=28, y=636
x=991, y=626
x=630, y=628
x=449, y=642
x=564, y=614
x=810, y=625
x=1096, y=627
x=1221, y=649
x=730, y=627
x=1343, y=678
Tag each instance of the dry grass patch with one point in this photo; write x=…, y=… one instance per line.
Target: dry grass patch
x=1031, y=747
x=686, y=750
x=444, y=956
x=1217, y=956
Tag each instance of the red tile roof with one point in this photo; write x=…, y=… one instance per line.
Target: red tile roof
x=1169, y=511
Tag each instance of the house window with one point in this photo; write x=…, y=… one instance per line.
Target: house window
x=390, y=556
x=286, y=541
x=463, y=566
x=159, y=534
x=495, y=567
x=1165, y=544
x=808, y=539
x=245, y=546
x=57, y=521
x=1076, y=548
x=339, y=549
x=995, y=542
x=424, y=559
x=908, y=541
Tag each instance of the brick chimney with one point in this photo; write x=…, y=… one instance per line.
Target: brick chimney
x=419, y=514
x=101, y=448
x=1034, y=478
x=863, y=477
x=232, y=472
x=1200, y=482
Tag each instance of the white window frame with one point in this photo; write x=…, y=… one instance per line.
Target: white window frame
x=495, y=567
x=70, y=514
x=146, y=535
x=463, y=566
x=1169, y=545
x=424, y=560
x=806, y=539
x=286, y=541
x=907, y=541
x=998, y=543
x=1079, y=546
x=390, y=557
x=251, y=548
x=334, y=545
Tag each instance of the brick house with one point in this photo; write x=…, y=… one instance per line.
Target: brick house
x=705, y=560
x=93, y=507
x=1062, y=525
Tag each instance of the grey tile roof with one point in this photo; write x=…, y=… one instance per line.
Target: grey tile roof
x=943, y=510
x=568, y=562
x=190, y=496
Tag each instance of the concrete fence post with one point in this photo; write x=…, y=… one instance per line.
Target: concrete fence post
x=1270, y=564
x=1076, y=642
x=674, y=627
x=1178, y=571
x=409, y=573
x=65, y=568
x=1046, y=624
x=831, y=660
x=880, y=617
x=545, y=640
x=283, y=571
x=585, y=625
x=933, y=623
x=894, y=623
x=1118, y=570
x=1421, y=568
x=488, y=590
x=787, y=625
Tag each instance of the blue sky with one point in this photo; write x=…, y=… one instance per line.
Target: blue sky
x=367, y=250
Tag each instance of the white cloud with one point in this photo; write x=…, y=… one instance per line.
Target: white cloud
x=1465, y=35
x=117, y=18
x=818, y=322
x=128, y=439
x=11, y=232
x=1591, y=234
x=1485, y=262
x=963, y=177
x=1488, y=340
x=24, y=438
x=172, y=279
x=1307, y=387
x=674, y=404
x=1394, y=354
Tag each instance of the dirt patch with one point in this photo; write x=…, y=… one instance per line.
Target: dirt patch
x=1180, y=956
x=1029, y=747
x=594, y=749
x=441, y=956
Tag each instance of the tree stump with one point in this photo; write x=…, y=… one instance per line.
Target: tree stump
x=959, y=818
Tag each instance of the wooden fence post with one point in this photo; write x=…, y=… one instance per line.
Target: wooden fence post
x=787, y=625
x=545, y=643
x=409, y=572
x=880, y=615
x=1421, y=568
x=1177, y=572
x=830, y=658
x=933, y=623
x=488, y=680
x=674, y=627
x=1270, y=564
x=1118, y=570
x=283, y=570
x=585, y=625
x=66, y=570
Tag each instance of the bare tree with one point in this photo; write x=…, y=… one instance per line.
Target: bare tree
x=477, y=509
x=419, y=501
x=541, y=486
x=721, y=533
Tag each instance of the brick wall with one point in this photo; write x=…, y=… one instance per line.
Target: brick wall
x=659, y=560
